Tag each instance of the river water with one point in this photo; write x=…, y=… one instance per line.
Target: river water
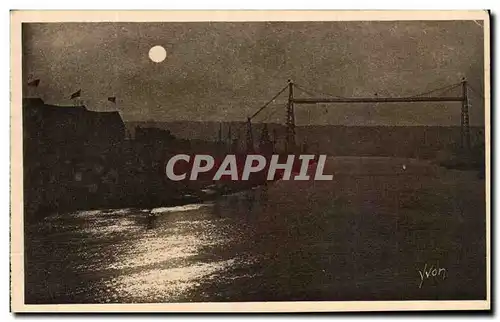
x=363, y=236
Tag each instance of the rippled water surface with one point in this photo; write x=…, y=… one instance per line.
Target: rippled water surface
x=362, y=236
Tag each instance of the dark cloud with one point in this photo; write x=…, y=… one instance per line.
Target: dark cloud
x=225, y=71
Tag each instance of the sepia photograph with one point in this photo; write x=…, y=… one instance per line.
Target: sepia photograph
x=250, y=161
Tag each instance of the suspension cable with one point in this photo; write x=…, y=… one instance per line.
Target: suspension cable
x=309, y=91
x=304, y=90
x=238, y=129
x=449, y=87
x=269, y=102
x=271, y=114
x=475, y=91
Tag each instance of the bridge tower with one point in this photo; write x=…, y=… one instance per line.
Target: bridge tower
x=290, y=120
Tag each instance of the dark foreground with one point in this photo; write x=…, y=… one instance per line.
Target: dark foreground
x=370, y=234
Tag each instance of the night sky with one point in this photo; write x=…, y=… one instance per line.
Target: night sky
x=226, y=71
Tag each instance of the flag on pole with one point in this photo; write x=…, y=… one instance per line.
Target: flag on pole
x=76, y=94
x=34, y=83
x=112, y=99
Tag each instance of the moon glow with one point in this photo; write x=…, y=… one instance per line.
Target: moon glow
x=157, y=54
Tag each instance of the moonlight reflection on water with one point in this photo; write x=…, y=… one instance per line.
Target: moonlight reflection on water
x=361, y=236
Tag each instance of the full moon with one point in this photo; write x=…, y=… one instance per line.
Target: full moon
x=157, y=54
